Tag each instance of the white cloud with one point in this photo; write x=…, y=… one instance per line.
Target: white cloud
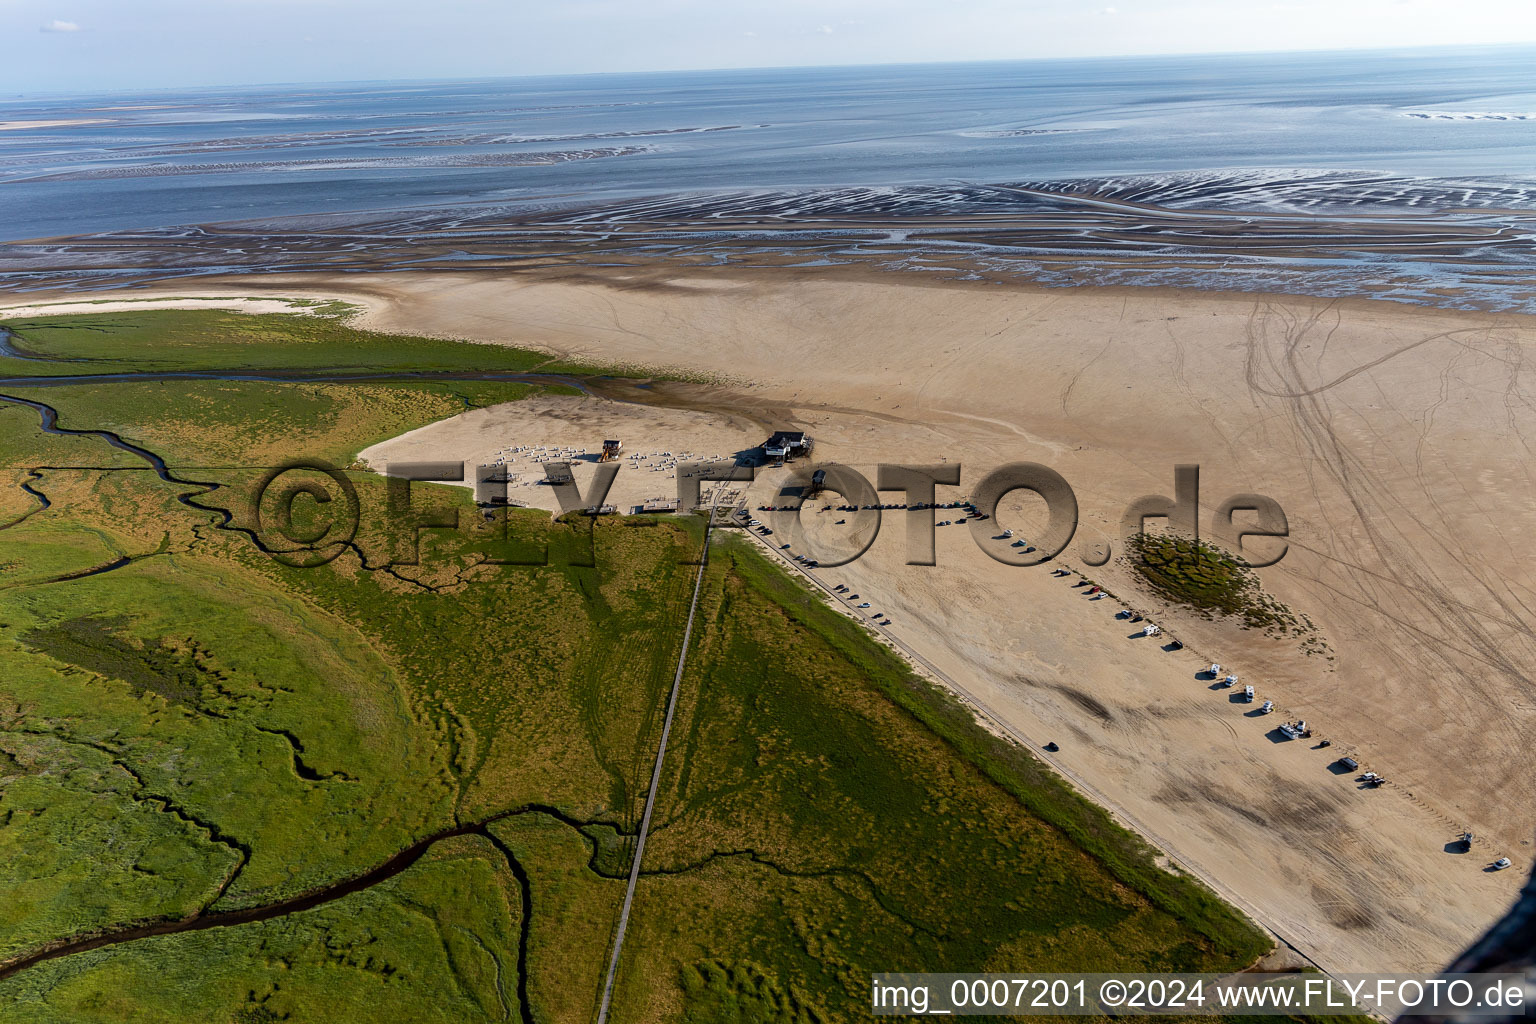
x=60, y=26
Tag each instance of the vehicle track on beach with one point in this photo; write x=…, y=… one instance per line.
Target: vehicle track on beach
x=1458, y=607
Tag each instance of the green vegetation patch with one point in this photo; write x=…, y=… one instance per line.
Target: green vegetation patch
x=1203, y=576
x=716, y=992
x=1195, y=573
x=217, y=425
x=96, y=644
x=212, y=339
x=435, y=945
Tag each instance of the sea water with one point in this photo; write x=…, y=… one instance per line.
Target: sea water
x=1419, y=131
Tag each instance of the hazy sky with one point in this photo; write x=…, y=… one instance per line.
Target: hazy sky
x=83, y=45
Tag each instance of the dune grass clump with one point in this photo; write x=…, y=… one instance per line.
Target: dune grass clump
x=1203, y=576
x=1194, y=573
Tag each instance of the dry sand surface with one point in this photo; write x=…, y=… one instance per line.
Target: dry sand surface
x=523, y=437
x=16, y=126
x=1396, y=438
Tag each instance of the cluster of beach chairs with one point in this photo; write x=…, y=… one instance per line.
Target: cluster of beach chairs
x=537, y=453
x=656, y=462
x=667, y=462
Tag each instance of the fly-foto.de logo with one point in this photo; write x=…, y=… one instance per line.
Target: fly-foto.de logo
x=912, y=491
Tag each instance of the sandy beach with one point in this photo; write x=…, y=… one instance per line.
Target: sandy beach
x=16, y=126
x=1395, y=438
